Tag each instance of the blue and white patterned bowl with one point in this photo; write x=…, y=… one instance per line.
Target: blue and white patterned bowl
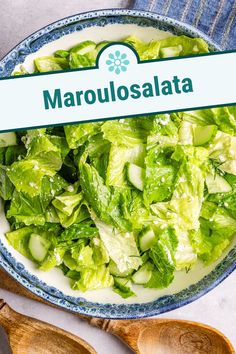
x=53, y=286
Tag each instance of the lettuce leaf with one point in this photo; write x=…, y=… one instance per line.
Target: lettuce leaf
x=223, y=152
x=160, y=170
x=27, y=175
x=118, y=157
x=124, y=132
x=182, y=212
x=76, y=135
x=92, y=279
x=6, y=187
x=217, y=229
x=31, y=210
x=19, y=239
x=80, y=61
x=160, y=175
x=45, y=152
x=168, y=47
x=223, y=117
x=96, y=192
x=106, y=202
x=14, y=153
x=188, y=195
x=121, y=247
x=67, y=202
x=50, y=63
x=162, y=255
x=82, y=230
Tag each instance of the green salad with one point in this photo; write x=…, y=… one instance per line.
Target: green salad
x=122, y=202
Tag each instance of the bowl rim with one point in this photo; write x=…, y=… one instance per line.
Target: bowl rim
x=109, y=310
x=116, y=12
x=115, y=311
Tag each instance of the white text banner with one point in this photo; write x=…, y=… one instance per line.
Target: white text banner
x=119, y=86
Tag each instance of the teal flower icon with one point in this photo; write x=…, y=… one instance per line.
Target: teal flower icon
x=117, y=62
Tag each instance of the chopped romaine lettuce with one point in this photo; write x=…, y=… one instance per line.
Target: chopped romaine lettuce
x=81, y=230
x=118, y=158
x=168, y=47
x=124, y=132
x=121, y=247
x=123, y=201
x=45, y=64
x=92, y=279
x=6, y=187
x=26, y=176
x=77, y=135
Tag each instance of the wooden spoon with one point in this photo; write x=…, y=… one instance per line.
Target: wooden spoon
x=164, y=336
x=30, y=336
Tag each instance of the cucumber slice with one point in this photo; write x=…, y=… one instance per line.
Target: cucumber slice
x=38, y=247
x=217, y=184
x=203, y=134
x=143, y=275
x=7, y=139
x=101, y=45
x=123, y=287
x=144, y=257
x=146, y=239
x=135, y=175
x=171, y=51
x=115, y=271
x=62, y=53
x=83, y=47
x=122, y=282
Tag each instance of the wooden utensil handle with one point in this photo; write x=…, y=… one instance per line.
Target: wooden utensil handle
x=126, y=330
x=9, y=318
x=166, y=336
x=2, y=303
x=29, y=335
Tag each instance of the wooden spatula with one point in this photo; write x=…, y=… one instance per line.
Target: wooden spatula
x=164, y=336
x=30, y=336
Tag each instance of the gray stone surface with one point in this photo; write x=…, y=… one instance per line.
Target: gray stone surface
x=20, y=18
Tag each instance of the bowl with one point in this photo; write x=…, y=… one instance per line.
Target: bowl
x=53, y=286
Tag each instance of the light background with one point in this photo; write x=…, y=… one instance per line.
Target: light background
x=18, y=19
